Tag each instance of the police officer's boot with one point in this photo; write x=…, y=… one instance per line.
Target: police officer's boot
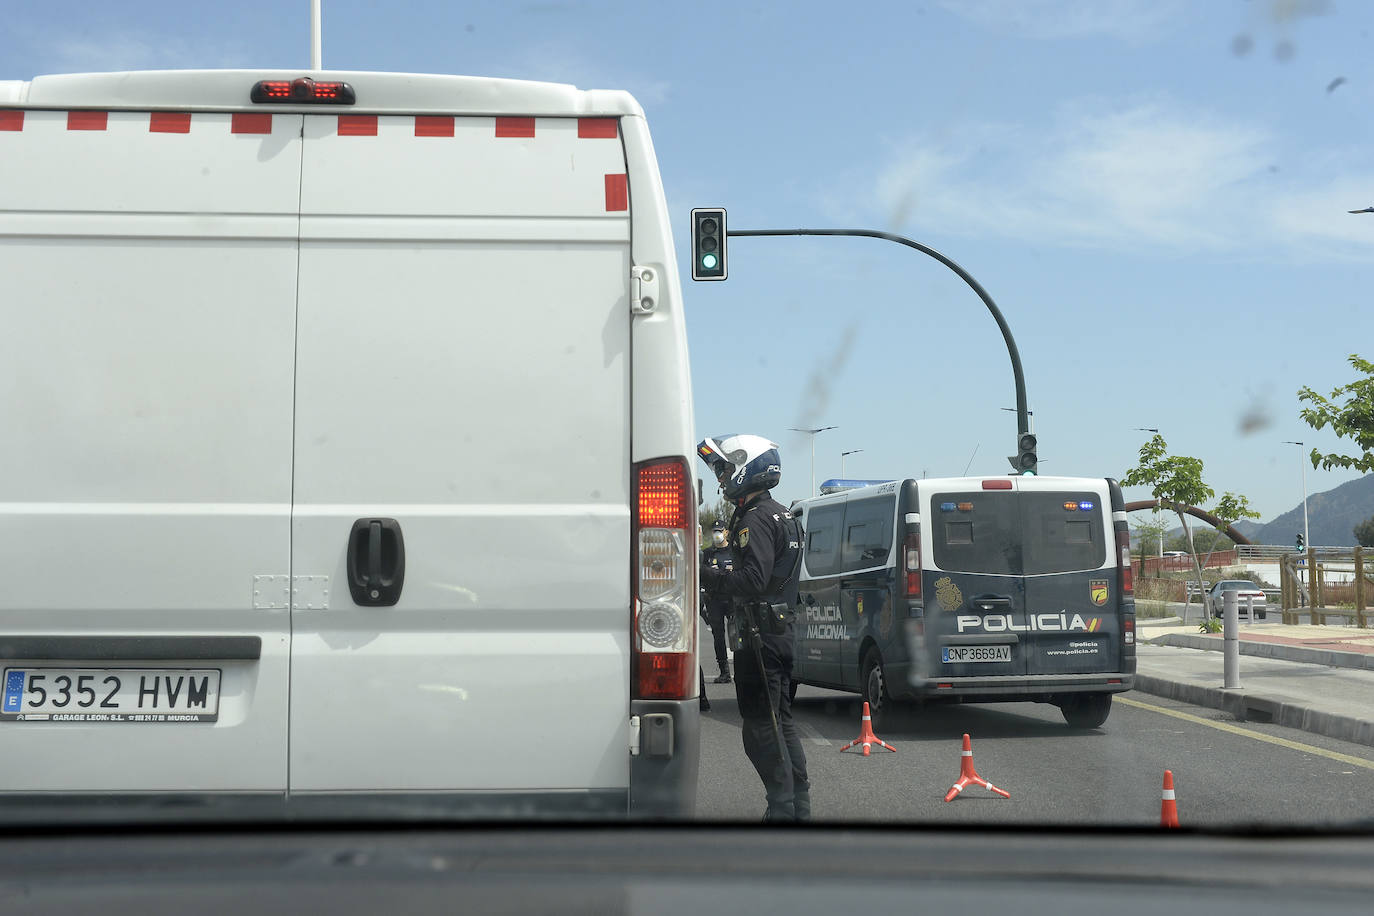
x=724, y=676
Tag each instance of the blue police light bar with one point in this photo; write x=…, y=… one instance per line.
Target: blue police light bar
x=836, y=485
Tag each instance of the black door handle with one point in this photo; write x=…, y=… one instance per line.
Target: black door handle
x=987, y=602
x=376, y=562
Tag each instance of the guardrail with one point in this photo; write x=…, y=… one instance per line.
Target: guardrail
x=1278, y=552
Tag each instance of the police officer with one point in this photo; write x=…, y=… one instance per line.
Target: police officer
x=717, y=557
x=765, y=546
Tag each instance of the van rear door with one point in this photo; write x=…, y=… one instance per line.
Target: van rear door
x=974, y=592
x=463, y=372
x=149, y=264
x=1071, y=577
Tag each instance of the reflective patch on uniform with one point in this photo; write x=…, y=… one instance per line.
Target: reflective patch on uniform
x=743, y=537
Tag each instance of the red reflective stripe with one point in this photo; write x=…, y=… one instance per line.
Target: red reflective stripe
x=357, y=125
x=87, y=120
x=433, y=126
x=169, y=122
x=597, y=128
x=617, y=192
x=11, y=120
x=250, y=123
x=515, y=127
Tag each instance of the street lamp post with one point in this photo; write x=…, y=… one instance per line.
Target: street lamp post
x=1306, y=535
x=812, y=433
x=852, y=451
x=1151, y=429
x=1030, y=417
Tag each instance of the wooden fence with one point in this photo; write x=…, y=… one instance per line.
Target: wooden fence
x=1304, y=586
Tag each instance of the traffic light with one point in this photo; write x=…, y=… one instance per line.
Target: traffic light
x=1025, y=460
x=1302, y=545
x=708, y=244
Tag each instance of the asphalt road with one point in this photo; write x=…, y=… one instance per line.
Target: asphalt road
x=1225, y=772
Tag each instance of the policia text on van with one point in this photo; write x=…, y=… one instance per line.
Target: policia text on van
x=970, y=589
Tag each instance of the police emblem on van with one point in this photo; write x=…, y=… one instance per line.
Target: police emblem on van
x=948, y=594
x=1097, y=590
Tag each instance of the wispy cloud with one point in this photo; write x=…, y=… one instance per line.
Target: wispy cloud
x=1150, y=174
x=141, y=50
x=560, y=63
x=1125, y=19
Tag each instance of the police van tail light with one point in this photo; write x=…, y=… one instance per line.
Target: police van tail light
x=1123, y=549
x=663, y=654
x=1128, y=631
x=912, y=550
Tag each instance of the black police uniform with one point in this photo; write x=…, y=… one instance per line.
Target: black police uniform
x=765, y=543
x=716, y=605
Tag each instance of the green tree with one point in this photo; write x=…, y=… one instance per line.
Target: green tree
x=1147, y=537
x=1364, y=532
x=1205, y=539
x=1350, y=414
x=1178, y=479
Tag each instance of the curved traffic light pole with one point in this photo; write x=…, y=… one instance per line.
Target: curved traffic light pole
x=1022, y=418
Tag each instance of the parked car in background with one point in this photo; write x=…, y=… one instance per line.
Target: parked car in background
x=1244, y=590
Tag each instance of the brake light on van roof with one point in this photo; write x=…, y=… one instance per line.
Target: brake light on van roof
x=998, y=484
x=304, y=90
x=663, y=652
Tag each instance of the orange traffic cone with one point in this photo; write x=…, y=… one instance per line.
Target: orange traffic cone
x=967, y=774
x=1168, y=808
x=866, y=736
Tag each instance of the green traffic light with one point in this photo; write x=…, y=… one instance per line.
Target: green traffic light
x=709, y=261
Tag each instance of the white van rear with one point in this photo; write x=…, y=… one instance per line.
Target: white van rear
x=335, y=435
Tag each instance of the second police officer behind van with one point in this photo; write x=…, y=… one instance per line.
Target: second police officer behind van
x=715, y=605
x=765, y=544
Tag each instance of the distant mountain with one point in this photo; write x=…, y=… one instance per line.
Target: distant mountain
x=1331, y=516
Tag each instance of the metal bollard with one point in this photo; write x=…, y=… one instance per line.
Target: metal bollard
x=1230, y=632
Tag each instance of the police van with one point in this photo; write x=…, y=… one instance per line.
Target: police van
x=969, y=589
x=347, y=423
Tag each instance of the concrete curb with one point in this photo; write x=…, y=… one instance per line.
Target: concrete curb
x=1332, y=658
x=1258, y=707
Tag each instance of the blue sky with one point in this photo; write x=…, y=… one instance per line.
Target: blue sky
x=1154, y=192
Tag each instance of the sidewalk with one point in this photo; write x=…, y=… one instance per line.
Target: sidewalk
x=1318, y=679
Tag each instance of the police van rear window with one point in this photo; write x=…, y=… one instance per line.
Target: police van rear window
x=1007, y=533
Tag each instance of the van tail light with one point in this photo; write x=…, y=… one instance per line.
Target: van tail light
x=913, y=565
x=1123, y=548
x=1128, y=631
x=663, y=655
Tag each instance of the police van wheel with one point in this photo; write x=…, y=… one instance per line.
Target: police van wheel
x=874, y=684
x=1086, y=710
x=791, y=692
